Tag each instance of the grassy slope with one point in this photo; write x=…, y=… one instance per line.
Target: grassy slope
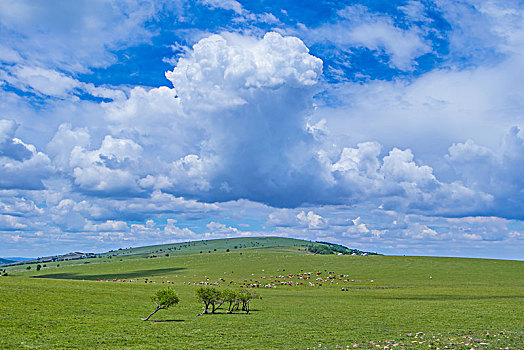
x=206, y=245
x=5, y=261
x=190, y=248
x=464, y=295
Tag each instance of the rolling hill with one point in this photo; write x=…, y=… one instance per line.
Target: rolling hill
x=233, y=243
x=5, y=262
x=204, y=245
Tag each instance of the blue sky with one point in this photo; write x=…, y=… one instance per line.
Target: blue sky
x=390, y=126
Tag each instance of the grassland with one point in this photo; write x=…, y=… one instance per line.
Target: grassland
x=459, y=303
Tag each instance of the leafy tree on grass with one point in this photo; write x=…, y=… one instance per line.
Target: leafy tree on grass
x=245, y=297
x=231, y=297
x=163, y=299
x=211, y=297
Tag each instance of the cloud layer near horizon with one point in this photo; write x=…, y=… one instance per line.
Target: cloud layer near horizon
x=255, y=133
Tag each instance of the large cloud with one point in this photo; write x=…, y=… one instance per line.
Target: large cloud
x=235, y=117
x=356, y=26
x=398, y=182
x=235, y=125
x=9, y=146
x=494, y=171
x=110, y=170
x=21, y=165
x=222, y=72
x=73, y=36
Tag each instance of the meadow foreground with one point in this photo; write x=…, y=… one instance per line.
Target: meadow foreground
x=308, y=301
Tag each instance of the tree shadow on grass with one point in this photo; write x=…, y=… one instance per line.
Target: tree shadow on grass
x=110, y=276
x=167, y=320
x=223, y=312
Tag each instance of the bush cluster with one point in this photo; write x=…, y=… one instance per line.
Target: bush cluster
x=213, y=299
x=321, y=249
x=325, y=248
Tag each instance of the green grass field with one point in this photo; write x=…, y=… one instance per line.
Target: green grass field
x=467, y=303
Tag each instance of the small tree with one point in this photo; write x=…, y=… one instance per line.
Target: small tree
x=245, y=297
x=210, y=296
x=231, y=297
x=163, y=299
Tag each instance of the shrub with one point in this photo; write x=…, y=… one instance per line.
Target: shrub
x=231, y=297
x=245, y=297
